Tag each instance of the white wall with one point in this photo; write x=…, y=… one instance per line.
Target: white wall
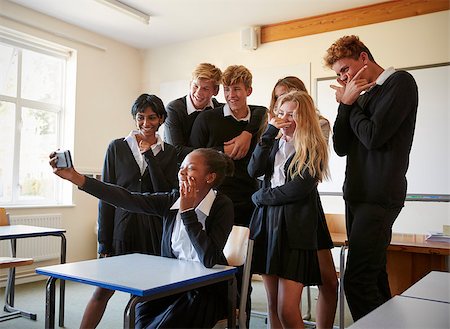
x=402, y=43
x=108, y=81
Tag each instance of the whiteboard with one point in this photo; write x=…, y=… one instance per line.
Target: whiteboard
x=428, y=172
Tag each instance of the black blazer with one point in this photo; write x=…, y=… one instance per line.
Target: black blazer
x=208, y=243
x=120, y=168
x=178, y=126
x=297, y=198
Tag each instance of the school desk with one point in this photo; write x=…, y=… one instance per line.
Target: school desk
x=406, y=313
x=434, y=286
x=14, y=232
x=145, y=277
x=409, y=258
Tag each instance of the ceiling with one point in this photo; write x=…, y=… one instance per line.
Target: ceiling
x=174, y=21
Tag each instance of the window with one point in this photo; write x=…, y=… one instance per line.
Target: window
x=36, y=118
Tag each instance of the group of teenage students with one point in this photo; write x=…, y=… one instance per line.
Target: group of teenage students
x=220, y=151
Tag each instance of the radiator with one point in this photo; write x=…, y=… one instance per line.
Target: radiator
x=39, y=248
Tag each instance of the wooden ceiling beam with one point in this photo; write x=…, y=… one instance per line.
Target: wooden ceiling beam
x=381, y=12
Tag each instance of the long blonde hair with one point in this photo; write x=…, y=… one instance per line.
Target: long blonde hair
x=311, y=148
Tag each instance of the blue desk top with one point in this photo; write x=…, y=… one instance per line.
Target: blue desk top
x=137, y=274
x=27, y=231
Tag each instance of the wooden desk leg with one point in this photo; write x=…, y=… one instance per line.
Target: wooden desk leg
x=50, y=303
x=232, y=302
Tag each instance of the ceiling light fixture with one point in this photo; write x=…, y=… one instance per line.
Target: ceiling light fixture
x=126, y=9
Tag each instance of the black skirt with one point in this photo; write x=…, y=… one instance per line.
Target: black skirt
x=273, y=256
x=324, y=240
x=141, y=234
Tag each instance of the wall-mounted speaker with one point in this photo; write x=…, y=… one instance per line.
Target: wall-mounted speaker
x=250, y=37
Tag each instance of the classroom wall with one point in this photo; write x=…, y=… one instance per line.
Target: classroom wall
x=407, y=42
x=107, y=83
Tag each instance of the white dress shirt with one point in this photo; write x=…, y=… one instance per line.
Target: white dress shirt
x=384, y=75
x=134, y=147
x=190, y=108
x=227, y=112
x=182, y=246
x=285, y=150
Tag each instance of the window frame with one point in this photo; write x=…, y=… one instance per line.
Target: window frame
x=65, y=111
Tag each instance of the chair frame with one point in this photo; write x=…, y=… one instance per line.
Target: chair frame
x=242, y=319
x=246, y=275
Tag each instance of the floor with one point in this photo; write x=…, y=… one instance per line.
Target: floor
x=31, y=297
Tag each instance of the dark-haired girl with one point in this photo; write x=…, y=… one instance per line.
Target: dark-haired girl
x=196, y=223
x=140, y=162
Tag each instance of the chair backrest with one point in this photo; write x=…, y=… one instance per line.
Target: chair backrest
x=235, y=249
x=4, y=217
x=239, y=251
x=336, y=223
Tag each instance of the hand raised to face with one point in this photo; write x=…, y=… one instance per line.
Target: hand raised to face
x=144, y=146
x=349, y=92
x=339, y=90
x=279, y=122
x=188, y=193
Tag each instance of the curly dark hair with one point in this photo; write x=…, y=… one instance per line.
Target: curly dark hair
x=348, y=46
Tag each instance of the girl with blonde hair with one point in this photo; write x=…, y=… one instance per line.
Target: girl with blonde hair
x=285, y=222
x=327, y=298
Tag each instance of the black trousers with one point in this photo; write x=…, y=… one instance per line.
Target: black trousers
x=198, y=308
x=369, y=230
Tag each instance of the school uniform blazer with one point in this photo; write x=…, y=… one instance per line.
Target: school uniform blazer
x=178, y=126
x=298, y=197
x=208, y=243
x=212, y=129
x=120, y=168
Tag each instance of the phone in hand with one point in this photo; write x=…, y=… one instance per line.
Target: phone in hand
x=64, y=159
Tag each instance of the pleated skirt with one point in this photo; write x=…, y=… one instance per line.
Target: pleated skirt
x=141, y=233
x=272, y=254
